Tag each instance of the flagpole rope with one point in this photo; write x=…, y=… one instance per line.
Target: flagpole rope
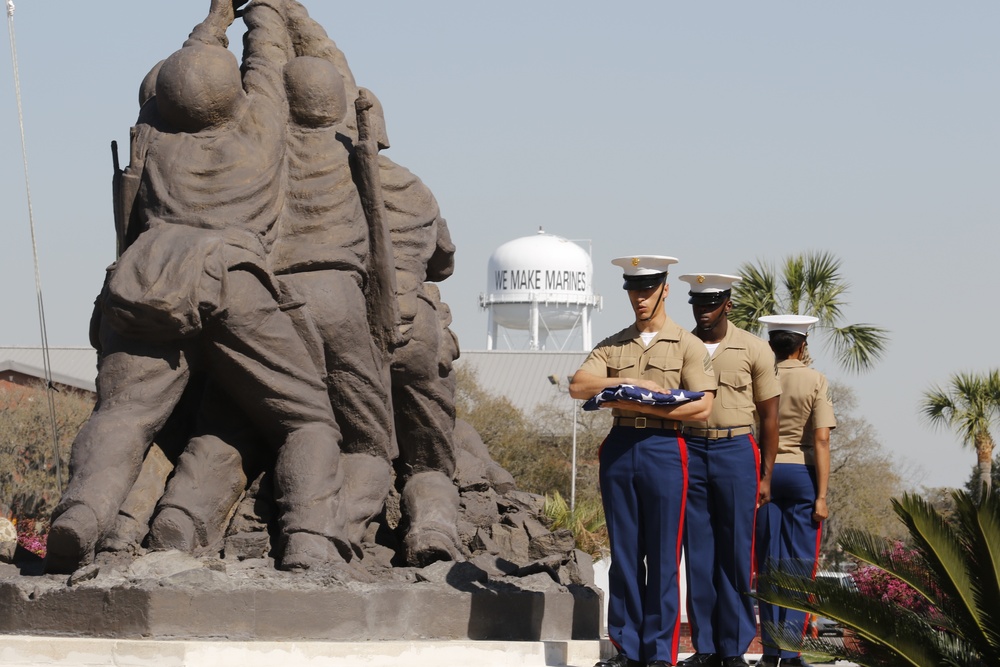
x=46, y=363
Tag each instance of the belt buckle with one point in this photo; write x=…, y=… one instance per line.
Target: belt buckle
x=640, y=422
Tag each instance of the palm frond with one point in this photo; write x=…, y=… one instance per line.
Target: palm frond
x=823, y=287
x=793, y=278
x=882, y=625
x=980, y=528
x=954, y=565
x=969, y=404
x=858, y=346
x=936, y=407
x=809, y=283
x=993, y=386
x=946, y=560
x=755, y=296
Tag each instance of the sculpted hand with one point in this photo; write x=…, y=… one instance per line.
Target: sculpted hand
x=224, y=9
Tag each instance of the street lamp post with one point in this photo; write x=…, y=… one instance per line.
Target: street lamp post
x=572, y=482
x=557, y=382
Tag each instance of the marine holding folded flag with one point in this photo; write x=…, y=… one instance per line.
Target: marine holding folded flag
x=643, y=463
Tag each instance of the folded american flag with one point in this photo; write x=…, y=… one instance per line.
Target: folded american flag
x=629, y=392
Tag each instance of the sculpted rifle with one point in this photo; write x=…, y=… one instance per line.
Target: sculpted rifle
x=383, y=309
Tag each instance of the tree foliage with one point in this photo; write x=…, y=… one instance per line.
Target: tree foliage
x=969, y=405
x=973, y=485
x=554, y=425
x=511, y=439
x=863, y=479
x=809, y=283
x=954, y=566
x=536, y=449
x=585, y=521
x=28, y=485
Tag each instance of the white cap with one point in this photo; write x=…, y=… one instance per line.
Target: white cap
x=795, y=323
x=644, y=271
x=708, y=288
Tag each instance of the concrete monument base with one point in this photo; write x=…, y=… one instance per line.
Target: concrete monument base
x=171, y=596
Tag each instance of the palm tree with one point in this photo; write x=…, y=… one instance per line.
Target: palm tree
x=954, y=568
x=969, y=404
x=809, y=284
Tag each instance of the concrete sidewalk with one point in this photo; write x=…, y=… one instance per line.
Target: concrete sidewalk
x=25, y=651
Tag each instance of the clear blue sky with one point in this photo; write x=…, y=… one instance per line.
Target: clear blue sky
x=713, y=132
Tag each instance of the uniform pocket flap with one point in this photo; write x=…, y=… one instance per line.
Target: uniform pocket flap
x=734, y=379
x=666, y=363
x=618, y=362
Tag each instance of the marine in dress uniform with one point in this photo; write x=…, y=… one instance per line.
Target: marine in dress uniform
x=788, y=528
x=728, y=475
x=643, y=464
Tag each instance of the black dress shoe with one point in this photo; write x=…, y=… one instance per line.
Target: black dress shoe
x=734, y=661
x=794, y=662
x=701, y=660
x=658, y=663
x=619, y=661
x=768, y=661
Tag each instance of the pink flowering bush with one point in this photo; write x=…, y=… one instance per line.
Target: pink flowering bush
x=876, y=583
x=31, y=535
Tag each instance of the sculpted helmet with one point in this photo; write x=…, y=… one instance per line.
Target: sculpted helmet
x=147, y=88
x=316, y=93
x=198, y=87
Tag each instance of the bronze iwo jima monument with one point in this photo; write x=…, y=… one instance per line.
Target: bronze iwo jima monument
x=274, y=453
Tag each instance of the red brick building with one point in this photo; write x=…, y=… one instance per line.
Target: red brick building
x=72, y=368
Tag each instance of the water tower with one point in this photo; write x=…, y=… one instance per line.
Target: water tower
x=541, y=284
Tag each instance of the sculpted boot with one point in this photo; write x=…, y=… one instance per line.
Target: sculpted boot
x=306, y=551
x=132, y=522
x=173, y=529
x=430, y=504
x=127, y=535
x=367, y=481
x=71, y=541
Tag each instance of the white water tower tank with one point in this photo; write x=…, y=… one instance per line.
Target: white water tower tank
x=541, y=284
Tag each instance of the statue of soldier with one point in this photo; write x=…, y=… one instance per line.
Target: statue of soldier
x=193, y=291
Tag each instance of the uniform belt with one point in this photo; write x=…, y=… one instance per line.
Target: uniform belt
x=648, y=422
x=717, y=433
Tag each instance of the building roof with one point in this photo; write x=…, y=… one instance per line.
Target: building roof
x=70, y=366
x=523, y=376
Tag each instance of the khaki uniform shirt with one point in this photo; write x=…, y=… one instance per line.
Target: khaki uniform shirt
x=805, y=406
x=675, y=359
x=746, y=372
